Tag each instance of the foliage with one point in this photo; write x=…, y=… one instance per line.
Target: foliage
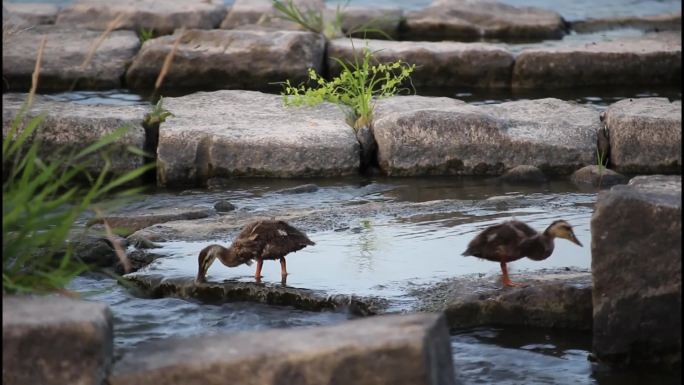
x=145, y=34
x=158, y=114
x=41, y=202
x=357, y=87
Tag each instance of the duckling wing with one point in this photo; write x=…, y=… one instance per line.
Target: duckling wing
x=273, y=239
x=496, y=243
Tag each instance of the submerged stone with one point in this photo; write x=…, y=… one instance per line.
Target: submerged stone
x=223, y=206
x=246, y=133
x=464, y=19
x=439, y=136
x=397, y=349
x=160, y=16
x=219, y=59
x=645, y=135
x=66, y=50
x=636, y=265
x=305, y=188
x=128, y=223
x=654, y=59
x=54, y=340
x=554, y=299
x=438, y=64
x=231, y=291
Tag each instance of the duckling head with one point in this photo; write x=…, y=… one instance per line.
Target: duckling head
x=562, y=229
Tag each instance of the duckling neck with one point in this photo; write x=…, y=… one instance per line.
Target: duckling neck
x=224, y=255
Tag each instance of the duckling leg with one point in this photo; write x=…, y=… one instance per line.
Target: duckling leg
x=506, y=280
x=283, y=267
x=257, y=275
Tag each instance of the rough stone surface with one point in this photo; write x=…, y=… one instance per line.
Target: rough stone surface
x=555, y=299
x=394, y=349
x=161, y=16
x=467, y=19
x=224, y=206
x=645, y=135
x=246, y=133
x=660, y=22
x=128, y=223
x=636, y=249
x=654, y=59
x=218, y=59
x=261, y=12
x=55, y=340
x=439, y=64
x=440, y=136
x=73, y=127
x=305, y=188
x=523, y=174
x=65, y=51
x=231, y=291
x=33, y=13
x=597, y=176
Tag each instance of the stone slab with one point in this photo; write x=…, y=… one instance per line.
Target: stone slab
x=33, y=13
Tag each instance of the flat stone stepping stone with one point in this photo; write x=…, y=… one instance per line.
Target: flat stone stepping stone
x=161, y=16
x=65, y=51
x=232, y=291
x=222, y=59
x=636, y=267
x=128, y=223
x=73, y=127
x=660, y=22
x=552, y=299
x=645, y=135
x=654, y=59
x=355, y=18
x=40, y=326
x=471, y=20
x=262, y=12
x=409, y=349
x=32, y=13
x=438, y=64
x=419, y=135
x=248, y=133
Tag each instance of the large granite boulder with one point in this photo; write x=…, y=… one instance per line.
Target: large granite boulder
x=636, y=249
x=553, y=299
x=438, y=64
x=219, y=59
x=70, y=127
x=468, y=19
x=247, y=133
x=65, y=51
x=398, y=349
x=54, y=340
x=262, y=12
x=660, y=22
x=440, y=136
x=161, y=16
x=645, y=135
x=32, y=13
x=653, y=59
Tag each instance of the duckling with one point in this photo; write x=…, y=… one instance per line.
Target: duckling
x=513, y=240
x=265, y=239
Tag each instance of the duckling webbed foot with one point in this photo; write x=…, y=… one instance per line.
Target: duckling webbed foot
x=257, y=274
x=506, y=280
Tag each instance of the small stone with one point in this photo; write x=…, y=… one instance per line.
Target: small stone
x=524, y=174
x=597, y=176
x=223, y=206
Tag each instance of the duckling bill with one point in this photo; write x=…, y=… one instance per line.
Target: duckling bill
x=258, y=240
x=513, y=240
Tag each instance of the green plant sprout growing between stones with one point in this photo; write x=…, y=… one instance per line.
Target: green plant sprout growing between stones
x=145, y=34
x=601, y=162
x=318, y=22
x=157, y=115
x=356, y=89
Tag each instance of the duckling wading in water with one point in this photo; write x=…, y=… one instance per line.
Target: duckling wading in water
x=267, y=239
x=513, y=240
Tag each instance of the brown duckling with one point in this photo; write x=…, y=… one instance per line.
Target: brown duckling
x=513, y=240
x=258, y=240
